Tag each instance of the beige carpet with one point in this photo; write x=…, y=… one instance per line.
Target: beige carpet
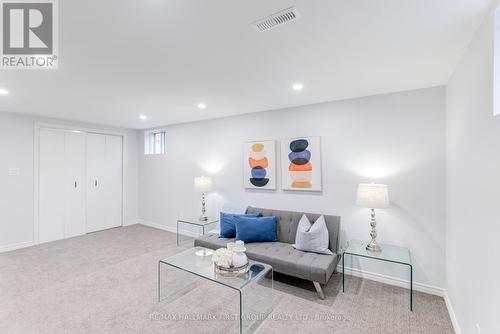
x=106, y=282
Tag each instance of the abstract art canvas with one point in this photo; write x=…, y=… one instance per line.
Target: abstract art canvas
x=259, y=165
x=301, y=164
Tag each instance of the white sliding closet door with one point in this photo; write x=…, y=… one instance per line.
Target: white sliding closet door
x=96, y=165
x=51, y=185
x=104, y=182
x=113, y=182
x=80, y=183
x=74, y=184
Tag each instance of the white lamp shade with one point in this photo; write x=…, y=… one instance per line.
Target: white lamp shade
x=203, y=184
x=373, y=196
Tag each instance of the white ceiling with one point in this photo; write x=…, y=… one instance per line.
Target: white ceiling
x=160, y=58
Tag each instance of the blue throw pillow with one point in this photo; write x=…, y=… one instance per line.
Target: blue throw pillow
x=256, y=229
x=227, y=220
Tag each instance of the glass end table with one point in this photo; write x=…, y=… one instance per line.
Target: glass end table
x=389, y=253
x=255, y=288
x=201, y=224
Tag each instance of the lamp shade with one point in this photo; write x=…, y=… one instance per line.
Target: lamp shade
x=203, y=184
x=373, y=196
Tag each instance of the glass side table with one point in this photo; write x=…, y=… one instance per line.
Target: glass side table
x=389, y=253
x=201, y=224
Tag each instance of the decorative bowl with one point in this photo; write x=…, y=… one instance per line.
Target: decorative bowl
x=230, y=271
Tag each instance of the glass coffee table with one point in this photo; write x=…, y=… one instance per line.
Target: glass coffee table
x=254, y=288
x=389, y=253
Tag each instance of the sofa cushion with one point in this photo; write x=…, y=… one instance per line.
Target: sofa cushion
x=289, y=220
x=288, y=260
x=312, y=237
x=212, y=241
x=255, y=229
x=282, y=257
x=228, y=221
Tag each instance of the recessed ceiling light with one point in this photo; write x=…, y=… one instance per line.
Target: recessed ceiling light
x=3, y=91
x=143, y=117
x=297, y=86
x=201, y=106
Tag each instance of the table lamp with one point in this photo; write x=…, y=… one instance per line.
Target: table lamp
x=203, y=184
x=373, y=196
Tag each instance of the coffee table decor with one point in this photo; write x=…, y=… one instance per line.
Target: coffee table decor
x=232, y=260
x=230, y=271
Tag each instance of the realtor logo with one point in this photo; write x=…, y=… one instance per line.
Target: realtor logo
x=29, y=34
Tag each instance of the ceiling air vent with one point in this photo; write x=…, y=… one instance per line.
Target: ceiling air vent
x=277, y=19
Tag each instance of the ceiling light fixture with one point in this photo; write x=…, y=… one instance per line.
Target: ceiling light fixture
x=143, y=117
x=201, y=106
x=3, y=91
x=298, y=86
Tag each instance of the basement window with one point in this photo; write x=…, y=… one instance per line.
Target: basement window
x=155, y=141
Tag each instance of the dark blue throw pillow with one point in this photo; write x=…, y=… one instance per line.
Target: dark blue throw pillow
x=227, y=220
x=256, y=229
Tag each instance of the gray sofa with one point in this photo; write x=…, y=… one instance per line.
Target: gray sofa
x=281, y=255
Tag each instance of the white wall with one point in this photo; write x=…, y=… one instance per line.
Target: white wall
x=396, y=139
x=473, y=188
x=16, y=192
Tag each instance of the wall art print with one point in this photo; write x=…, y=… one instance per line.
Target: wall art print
x=301, y=164
x=259, y=165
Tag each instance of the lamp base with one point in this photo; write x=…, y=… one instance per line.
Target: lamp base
x=203, y=217
x=373, y=246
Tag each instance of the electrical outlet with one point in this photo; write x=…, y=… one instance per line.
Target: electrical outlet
x=478, y=328
x=14, y=172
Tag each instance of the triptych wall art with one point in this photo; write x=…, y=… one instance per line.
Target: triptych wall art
x=300, y=164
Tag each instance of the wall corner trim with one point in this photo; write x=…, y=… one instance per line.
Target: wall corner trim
x=451, y=312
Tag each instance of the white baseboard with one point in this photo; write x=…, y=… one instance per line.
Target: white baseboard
x=390, y=280
x=168, y=228
x=451, y=312
x=129, y=222
x=19, y=245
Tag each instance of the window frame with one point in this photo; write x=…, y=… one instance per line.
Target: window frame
x=155, y=142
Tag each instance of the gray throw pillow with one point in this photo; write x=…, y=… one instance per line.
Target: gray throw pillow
x=312, y=237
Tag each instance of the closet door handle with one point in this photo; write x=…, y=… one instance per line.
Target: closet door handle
x=75, y=184
x=95, y=183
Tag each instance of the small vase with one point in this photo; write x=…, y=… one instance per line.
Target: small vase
x=239, y=258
